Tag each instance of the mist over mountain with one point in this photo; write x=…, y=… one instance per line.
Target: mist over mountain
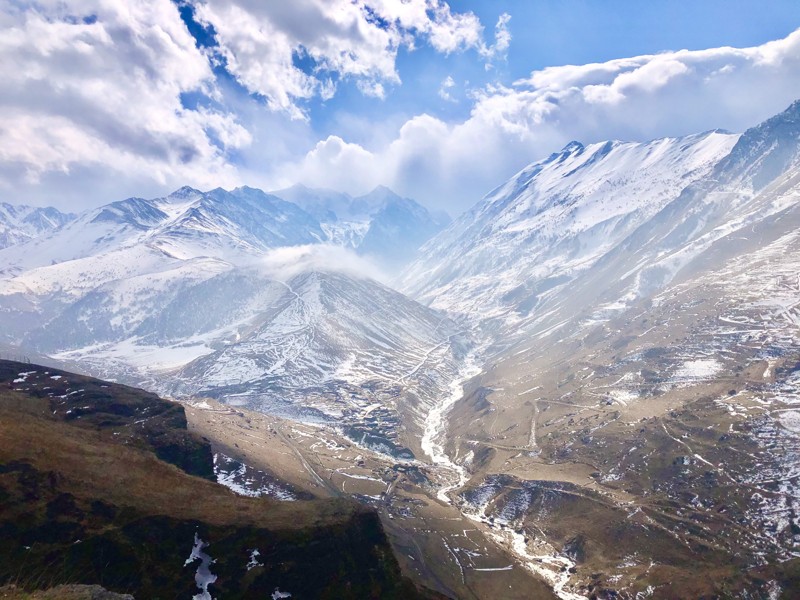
x=380, y=224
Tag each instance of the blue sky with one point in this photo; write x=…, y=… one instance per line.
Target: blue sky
x=438, y=100
x=558, y=32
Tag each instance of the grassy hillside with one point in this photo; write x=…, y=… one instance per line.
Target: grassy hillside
x=102, y=484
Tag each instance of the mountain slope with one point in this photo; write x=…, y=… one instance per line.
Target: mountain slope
x=334, y=347
x=84, y=503
x=319, y=345
x=663, y=378
x=555, y=219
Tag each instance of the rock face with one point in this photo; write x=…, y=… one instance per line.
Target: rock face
x=91, y=495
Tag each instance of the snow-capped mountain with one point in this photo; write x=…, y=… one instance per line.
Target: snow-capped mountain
x=20, y=223
x=553, y=220
x=381, y=225
x=640, y=343
x=187, y=223
x=213, y=293
x=610, y=337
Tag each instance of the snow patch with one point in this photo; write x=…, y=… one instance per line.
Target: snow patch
x=203, y=577
x=253, y=563
x=697, y=370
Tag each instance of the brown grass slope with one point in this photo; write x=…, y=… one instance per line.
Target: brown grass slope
x=95, y=488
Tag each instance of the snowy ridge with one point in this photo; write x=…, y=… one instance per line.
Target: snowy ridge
x=554, y=219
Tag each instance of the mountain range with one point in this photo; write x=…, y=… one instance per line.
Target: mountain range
x=595, y=368
x=20, y=223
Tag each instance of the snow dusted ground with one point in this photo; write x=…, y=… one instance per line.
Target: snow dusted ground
x=762, y=299
x=247, y=481
x=692, y=370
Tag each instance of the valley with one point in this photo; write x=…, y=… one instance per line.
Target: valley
x=586, y=386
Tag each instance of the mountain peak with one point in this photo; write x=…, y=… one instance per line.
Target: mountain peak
x=765, y=151
x=19, y=223
x=246, y=189
x=185, y=191
x=573, y=146
x=383, y=193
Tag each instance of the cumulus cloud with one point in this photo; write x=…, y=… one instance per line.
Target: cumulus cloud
x=102, y=99
x=450, y=165
x=98, y=85
x=262, y=43
x=284, y=263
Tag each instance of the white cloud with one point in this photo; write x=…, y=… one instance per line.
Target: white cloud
x=284, y=263
x=450, y=165
x=371, y=88
x=97, y=84
x=502, y=40
x=444, y=89
x=103, y=99
x=261, y=42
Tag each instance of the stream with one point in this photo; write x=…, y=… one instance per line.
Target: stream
x=552, y=567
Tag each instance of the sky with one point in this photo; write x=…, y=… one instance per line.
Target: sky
x=440, y=101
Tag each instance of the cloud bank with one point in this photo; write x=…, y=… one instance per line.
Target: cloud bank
x=261, y=43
